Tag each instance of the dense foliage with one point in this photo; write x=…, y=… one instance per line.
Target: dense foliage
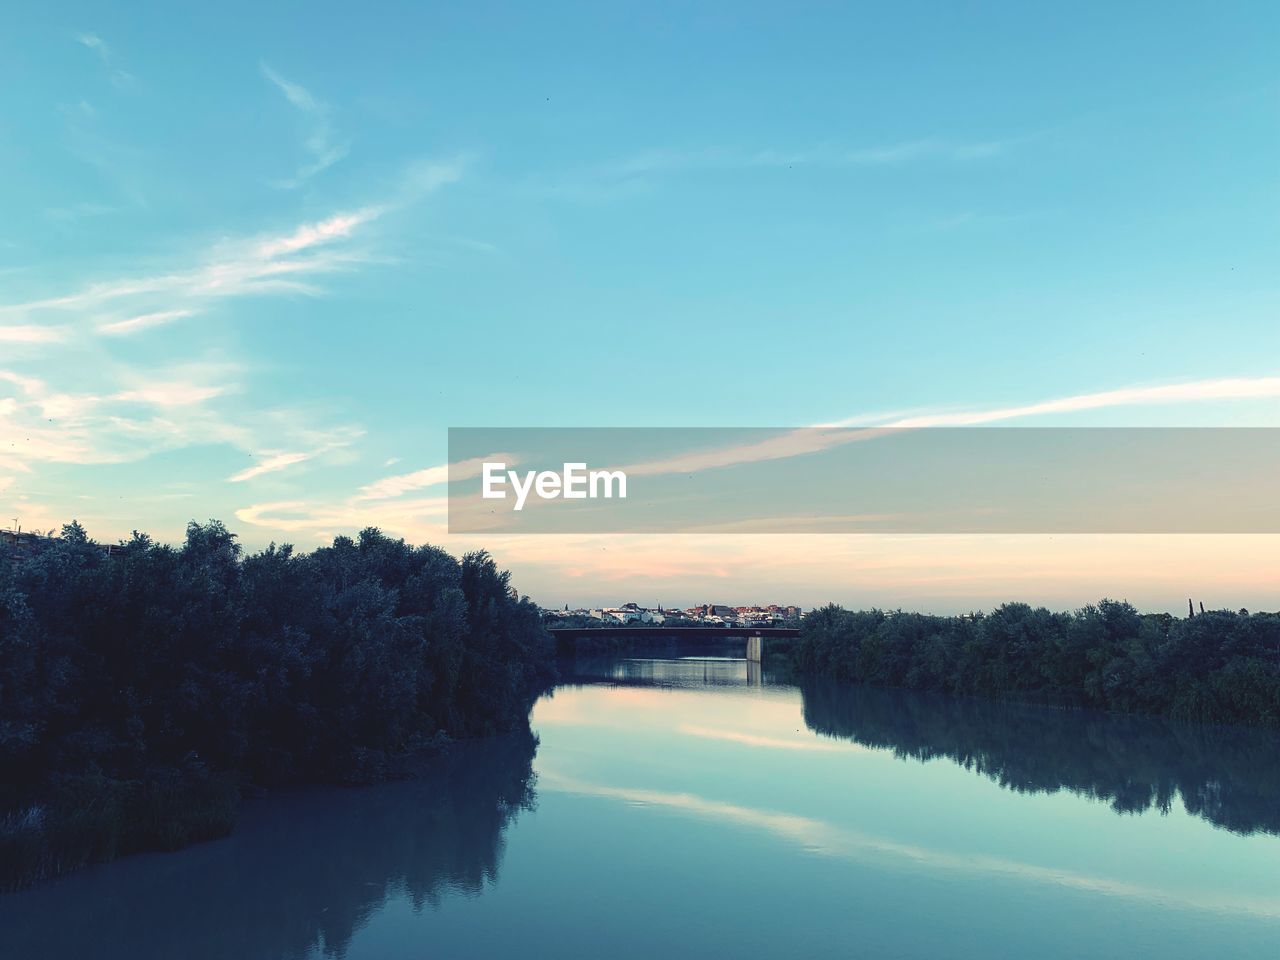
x=1218, y=667
x=140, y=686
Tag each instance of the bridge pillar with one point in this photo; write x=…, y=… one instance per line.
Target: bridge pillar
x=755, y=649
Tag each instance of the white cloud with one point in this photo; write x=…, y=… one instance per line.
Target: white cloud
x=60, y=426
x=284, y=262
x=142, y=321
x=390, y=487
x=1229, y=388
x=795, y=443
x=275, y=460
x=171, y=394
x=381, y=504
x=147, y=416
x=889, y=154
x=112, y=412
x=255, y=266
x=31, y=333
x=421, y=518
x=92, y=41
x=271, y=464
x=321, y=142
x=424, y=177
x=337, y=227
x=395, y=486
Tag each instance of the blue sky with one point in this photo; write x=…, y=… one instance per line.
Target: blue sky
x=261, y=257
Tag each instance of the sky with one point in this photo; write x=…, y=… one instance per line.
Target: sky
x=254, y=263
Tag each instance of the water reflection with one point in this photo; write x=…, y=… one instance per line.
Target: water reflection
x=832, y=840
x=763, y=790
x=707, y=668
x=301, y=874
x=706, y=809
x=1228, y=776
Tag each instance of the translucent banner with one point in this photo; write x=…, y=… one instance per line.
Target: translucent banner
x=864, y=480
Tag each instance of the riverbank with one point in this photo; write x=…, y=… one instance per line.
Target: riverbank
x=147, y=688
x=1218, y=667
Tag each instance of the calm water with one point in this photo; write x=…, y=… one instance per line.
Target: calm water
x=693, y=808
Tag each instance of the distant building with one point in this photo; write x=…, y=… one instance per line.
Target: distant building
x=17, y=546
x=709, y=614
x=624, y=614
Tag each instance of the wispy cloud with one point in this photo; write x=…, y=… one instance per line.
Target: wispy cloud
x=97, y=406
x=110, y=411
x=288, y=261
x=174, y=393
x=396, y=486
x=425, y=176
x=321, y=142
x=382, y=503
x=119, y=78
x=794, y=443
x=640, y=171
x=31, y=333
x=337, y=227
x=889, y=154
x=252, y=266
x=273, y=461
x=148, y=415
x=1196, y=391
x=142, y=322
x=80, y=211
x=422, y=517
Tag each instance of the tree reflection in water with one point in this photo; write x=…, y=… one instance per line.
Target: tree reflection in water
x=1227, y=775
x=302, y=872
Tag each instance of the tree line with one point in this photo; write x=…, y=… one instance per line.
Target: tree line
x=1218, y=667
x=143, y=686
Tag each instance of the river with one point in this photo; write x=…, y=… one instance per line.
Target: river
x=696, y=808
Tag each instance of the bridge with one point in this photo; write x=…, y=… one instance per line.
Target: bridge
x=754, y=636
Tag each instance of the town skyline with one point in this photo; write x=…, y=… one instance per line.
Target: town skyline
x=712, y=614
